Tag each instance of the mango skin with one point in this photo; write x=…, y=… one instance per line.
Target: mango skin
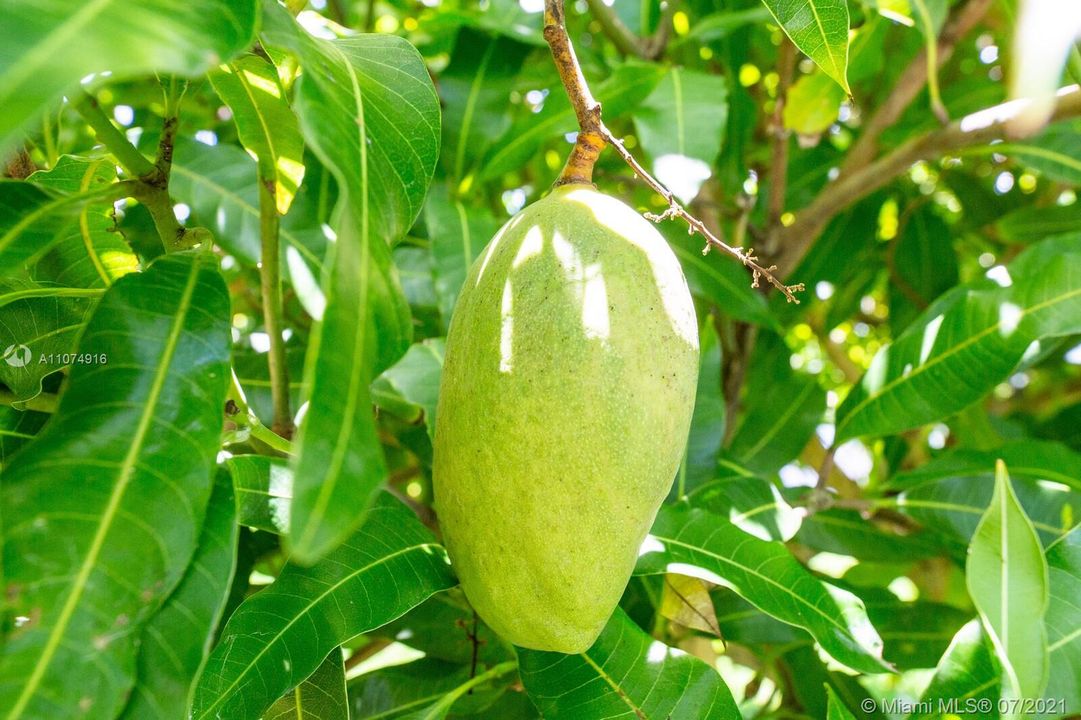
x=564, y=406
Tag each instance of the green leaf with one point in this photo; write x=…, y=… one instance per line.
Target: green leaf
x=626, y=674
x=382, y=150
x=413, y=382
x=837, y=709
x=265, y=123
x=49, y=46
x=681, y=125
x=966, y=675
x=621, y=93
x=708, y=421
x=819, y=28
x=813, y=104
x=949, y=494
x=924, y=266
x=442, y=628
x=321, y=697
x=438, y=710
x=1006, y=574
x=691, y=541
x=1031, y=223
x=847, y=532
x=39, y=326
x=966, y=342
x=264, y=491
x=103, y=501
x=476, y=87
x=279, y=636
x=1063, y=629
x=16, y=429
x=781, y=410
x=177, y=639
x=457, y=234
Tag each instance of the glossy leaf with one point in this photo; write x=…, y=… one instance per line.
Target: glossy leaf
x=48, y=47
x=279, y=636
x=819, y=28
x=966, y=675
x=966, y=342
x=382, y=150
x=39, y=326
x=413, y=382
x=623, y=91
x=626, y=674
x=751, y=503
x=949, y=494
x=1063, y=628
x=457, y=234
x=321, y=697
x=476, y=87
x=265, y=123
x=102, y=501
x=1006, y=574
x=681, y=125
x=176, y=640
x=264, y=491
x=695, y=542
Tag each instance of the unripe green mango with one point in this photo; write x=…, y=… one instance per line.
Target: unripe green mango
x=564, y=407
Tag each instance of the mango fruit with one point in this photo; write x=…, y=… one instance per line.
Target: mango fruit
x=564, y=407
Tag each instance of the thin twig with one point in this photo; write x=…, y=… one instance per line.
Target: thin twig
x=778, y=176
x=593, y=136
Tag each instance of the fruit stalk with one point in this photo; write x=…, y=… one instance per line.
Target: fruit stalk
x=594, y=136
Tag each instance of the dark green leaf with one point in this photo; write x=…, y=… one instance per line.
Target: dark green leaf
x=475, y=88
x=680, y=126
x=626, y=674
x=48, y=46
x=394, y=692
x=846, y=532
x=321, y=697
x=1032, y=223
x=177, y=639
x=1063, y=628
x=279, y=636
x=837, y=709
x=924, y=266
x=442, y=628
x=1052, y=153
x=819, y=28
x=695, y=542
x=628, y=86
x=1006, y=576
x=751, y=503
x=969, y=340
x=103, y=501
x=382, y=150
x=949, y=494
x=457, y=234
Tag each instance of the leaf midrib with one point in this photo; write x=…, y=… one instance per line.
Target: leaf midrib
x=124, y=474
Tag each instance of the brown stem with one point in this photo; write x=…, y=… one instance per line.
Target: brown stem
x=911, y=82
x=593, y=136
x=786, y=65
x=967, y=132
